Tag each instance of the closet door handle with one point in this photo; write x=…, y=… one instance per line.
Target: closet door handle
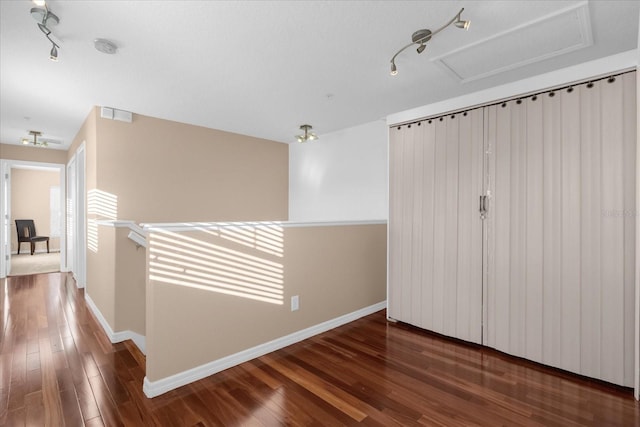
x=483, y=207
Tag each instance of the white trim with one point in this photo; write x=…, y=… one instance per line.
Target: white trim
x=137, y=233
x=191, y=226
x=115, y=337
x=80, y=217
x=138, y=239
x=121, y=224
x=636, y=379
x=138, y=340
x=156, y=388
x=115, y=223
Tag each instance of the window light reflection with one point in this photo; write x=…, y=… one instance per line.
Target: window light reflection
x=100, y=205
x=225, y=263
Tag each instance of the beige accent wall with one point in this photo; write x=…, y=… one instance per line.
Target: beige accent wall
x=118, y=280
x=164, y=171
x=335, y=270
x=102, y=286
x=32, y=154
x=130, y=284
x=31, y=199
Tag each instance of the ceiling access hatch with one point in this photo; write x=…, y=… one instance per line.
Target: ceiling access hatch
x=552, y=35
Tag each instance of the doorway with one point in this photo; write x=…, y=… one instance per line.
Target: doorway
x=49, y=180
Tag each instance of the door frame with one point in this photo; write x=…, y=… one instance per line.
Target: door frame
x=5, y=208
x=76, y=231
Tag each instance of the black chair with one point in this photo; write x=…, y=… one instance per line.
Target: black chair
x=27, y=233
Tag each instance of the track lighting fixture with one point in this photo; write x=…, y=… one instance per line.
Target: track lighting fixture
x=308, y=135
x=460, y=23
x=45, y=17
x=421, y=37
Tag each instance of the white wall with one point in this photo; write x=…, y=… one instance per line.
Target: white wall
x=341, y=176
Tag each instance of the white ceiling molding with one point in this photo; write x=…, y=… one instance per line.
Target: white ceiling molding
x=552, y=35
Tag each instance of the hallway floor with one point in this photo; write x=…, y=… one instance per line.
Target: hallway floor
x=57, y=367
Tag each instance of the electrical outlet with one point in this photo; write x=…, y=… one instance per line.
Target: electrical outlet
x=295, y=303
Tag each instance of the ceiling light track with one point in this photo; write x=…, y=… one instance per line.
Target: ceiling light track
x=421, y=37
x=45, y=17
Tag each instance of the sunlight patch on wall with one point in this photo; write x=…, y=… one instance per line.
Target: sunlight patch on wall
x=266, y=237
x=179, y=259
x=100, y=206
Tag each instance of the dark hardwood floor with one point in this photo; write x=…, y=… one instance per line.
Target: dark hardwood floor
x=58, y=368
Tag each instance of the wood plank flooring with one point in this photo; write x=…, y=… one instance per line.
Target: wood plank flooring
x=58, y=368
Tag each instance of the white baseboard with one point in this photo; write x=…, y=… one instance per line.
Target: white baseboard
x=115, y=337
x=156, y=388
x=78, y=284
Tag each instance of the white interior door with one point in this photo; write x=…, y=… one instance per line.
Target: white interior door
x=80, y=218
x=71, y=214
x=435, y=229
x=561, y=255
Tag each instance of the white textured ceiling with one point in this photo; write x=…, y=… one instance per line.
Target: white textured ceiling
x=261, y=68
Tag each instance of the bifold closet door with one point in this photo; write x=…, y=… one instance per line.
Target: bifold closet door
x=435, y=231
x=561, y=228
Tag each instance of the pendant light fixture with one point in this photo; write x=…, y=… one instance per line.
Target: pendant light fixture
x=421, y=37
x=307, y=135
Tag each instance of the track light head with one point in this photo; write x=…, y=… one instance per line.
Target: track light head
x=462, y=24
x=53, y=55
x=421, y=48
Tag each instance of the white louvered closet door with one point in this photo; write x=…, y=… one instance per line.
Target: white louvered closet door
x=435, y=231
x=561, y=228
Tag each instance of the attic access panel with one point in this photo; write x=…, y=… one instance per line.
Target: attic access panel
x=552, y=35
